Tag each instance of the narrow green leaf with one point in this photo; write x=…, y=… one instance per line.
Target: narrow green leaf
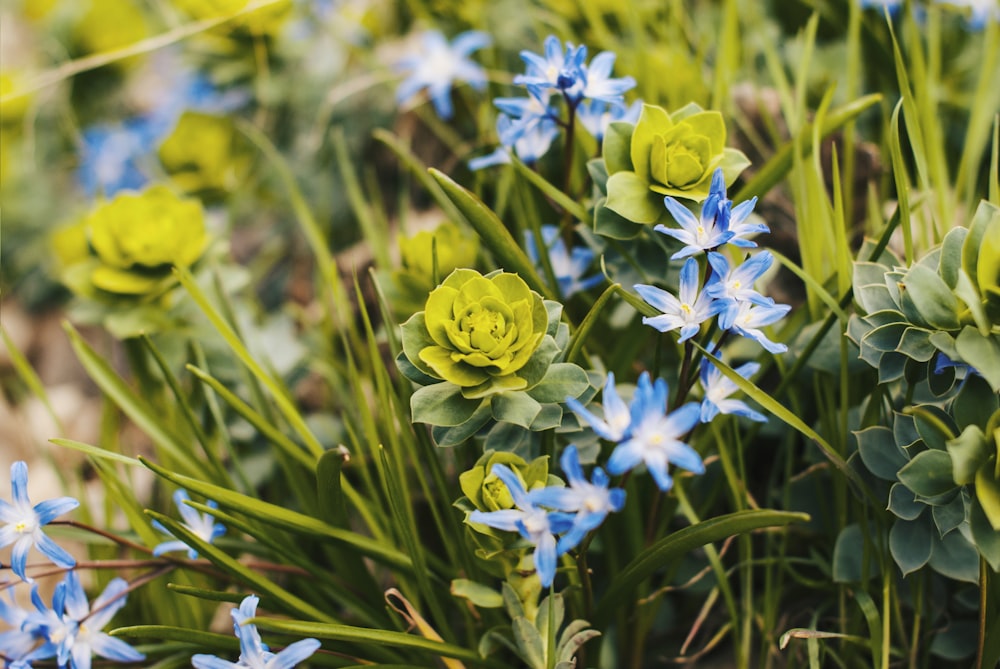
x=551, y=192
x=679, y=544
x=208, y=595
x=283, y=518
x=95, y=451
x=574, y=352
x=196, y=637
x=29, y=377
x=376, y=637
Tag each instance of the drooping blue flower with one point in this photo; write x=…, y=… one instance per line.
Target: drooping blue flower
x=439, y=65
x=597, y=115
x=24, y=523
x=590, y=502
x=717, y=389
x=654, y=435
x=254, y=654
x=751, y=317
x=202, y=525
x=532, y=522
x=568, y=267
x=688, y=310
x=617, y=418
x=529, y=146
x=558, y=69
x=72, y=627
x=735, y=285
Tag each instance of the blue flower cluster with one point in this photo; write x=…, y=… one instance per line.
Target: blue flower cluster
x=542, y=513
x=69, y=630
x=527, y=126
x=254, y=654
x=728, y=291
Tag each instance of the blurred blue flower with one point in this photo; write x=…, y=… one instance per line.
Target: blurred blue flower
x=202, y=525
x=597, y=115
x=751, y=317
x=892, y=5
x=688, y=310
x=590, y=502
x=66, y=636
x=254, y=654
x=439, y=65
x=600, y=85
x=617, y=417
x=24, y=523
x=735, y=285
x=528, y=145
x=654, y=435
x=717, y=389
x=532, y=522
x=568, y=267
x=977, y=12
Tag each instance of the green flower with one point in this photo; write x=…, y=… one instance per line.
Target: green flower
x=136, y=238
x=487, y=492
x=205, y=156
x=481, y=330
x=666, y=154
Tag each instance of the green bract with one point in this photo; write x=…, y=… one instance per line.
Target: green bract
x=483, y=332
x=484, y=489
x=417, y=278
x=205, y=156
x=666, y=154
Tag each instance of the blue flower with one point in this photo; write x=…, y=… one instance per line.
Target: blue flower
x=892, y=5
x=751, y=317
x=735, y=285
x=568, y=267
x=589, y=501
x=528, y=145
x=688, y=310
x=600, y=85
x=978, y=11
x=654, y=435
x=560, y=69
x=15, y=643
x=597, y=115
x=532, y=522
x=718, y=388
x=68, y=639
x=25, y=522
x=254, y=654
x=202, y=525
x=439, y=65
x=617, y=418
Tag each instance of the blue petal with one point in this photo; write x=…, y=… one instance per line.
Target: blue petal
x=19, y=484
x=50, y=509
x=293, y=654
x=545, y=560
x=212, y=662
x=114, y=649
x=54, y=552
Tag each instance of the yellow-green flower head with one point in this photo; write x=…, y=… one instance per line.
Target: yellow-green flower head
x=487, y=492
x=669, y=154
x=484, y=330
x=204, y=155
x=13, y=109
x=264, y=21
x=138, y=237
x=452, y=248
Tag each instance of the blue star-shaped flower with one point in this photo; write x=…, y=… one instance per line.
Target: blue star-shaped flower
x=688, y=310
x=201, y=524
x=24, y=523
x=531, y=521
x=717, y=389
x=589, y=501
x=568, y=267
x=751, y=317
x=559, y=69
x=254, y=654
x=597, y=115
x=735, y=285
x=439, y=65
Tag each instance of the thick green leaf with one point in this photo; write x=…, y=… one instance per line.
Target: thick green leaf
x=529, y=642
x=617, y=146
x=968, y=452
x=442, y=404
x=982, y=353
x=562, y=380
x=848, y=553
x=949, y=516
x=284, y=519
x=932, y=297
x=609, y=224
x=680, y=543
x=481, y=595
x=988, y=491
x=515, y=407
x=951, y=256
x=986, y=536
x=493, y=233
x=912, y=542
x=879, y=452
x=956, y=558
x=629, y=196
x=928, y=474
x=903, y=503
